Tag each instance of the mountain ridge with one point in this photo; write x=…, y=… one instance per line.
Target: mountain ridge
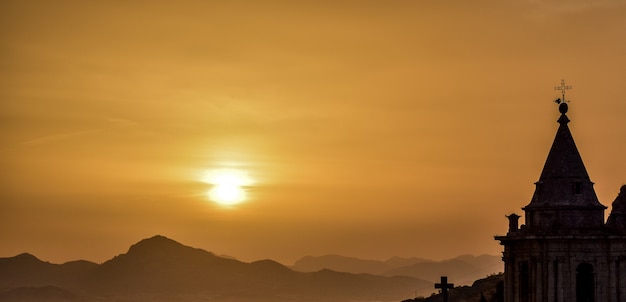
x=464, y=268
x=161, y=269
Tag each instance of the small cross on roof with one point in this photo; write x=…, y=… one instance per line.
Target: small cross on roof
x=562, y=88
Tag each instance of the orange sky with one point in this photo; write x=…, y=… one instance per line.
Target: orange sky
x=371, y=128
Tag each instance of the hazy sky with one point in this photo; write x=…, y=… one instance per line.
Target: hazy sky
x=370, y=128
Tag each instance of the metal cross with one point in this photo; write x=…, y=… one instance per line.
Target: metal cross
x=444, y=285
x=562, y=88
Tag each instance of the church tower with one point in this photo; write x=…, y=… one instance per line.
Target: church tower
x=565, y=252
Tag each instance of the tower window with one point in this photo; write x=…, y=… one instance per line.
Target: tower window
x=577, y=187
x=584, y=283
x=524, y=282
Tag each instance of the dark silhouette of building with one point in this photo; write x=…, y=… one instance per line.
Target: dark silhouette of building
x=565, y=252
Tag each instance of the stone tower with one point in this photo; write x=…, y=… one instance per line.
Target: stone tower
x=565, y=252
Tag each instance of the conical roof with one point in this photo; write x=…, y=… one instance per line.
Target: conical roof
x=563, y=161
x=564, y=194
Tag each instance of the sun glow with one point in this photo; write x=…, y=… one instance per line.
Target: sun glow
x=228, y=186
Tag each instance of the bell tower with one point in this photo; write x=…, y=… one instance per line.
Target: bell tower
x=564, y=200
x=565, y=252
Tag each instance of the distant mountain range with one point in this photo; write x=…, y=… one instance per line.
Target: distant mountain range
x=161, y=269
x=463, y=270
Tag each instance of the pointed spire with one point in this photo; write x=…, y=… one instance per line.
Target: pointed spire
x=564, y=160
x=564, y=197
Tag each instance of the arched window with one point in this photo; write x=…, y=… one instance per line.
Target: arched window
x=584, y=283
x=524, y=282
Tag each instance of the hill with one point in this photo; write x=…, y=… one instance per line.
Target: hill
x=489, y=289
x=161, y=269
x=27, y=270
x=462, y=269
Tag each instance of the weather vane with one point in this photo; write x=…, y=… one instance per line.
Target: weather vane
x=562, y=88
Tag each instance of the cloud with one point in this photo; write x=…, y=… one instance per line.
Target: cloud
x=122, y=122
x=574, y=6
x=56, y=137
x=46, y=139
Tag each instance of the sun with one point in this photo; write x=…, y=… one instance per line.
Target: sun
x=227, y=194
x=228, y=185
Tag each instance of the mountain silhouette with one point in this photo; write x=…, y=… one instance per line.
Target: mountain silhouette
x=340, y=263
x=161, y=269
x=396, y=262
x=159, y=264
x=26, y=270
x=463, y=269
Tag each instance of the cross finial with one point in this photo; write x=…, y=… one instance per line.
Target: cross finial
x=562, y=88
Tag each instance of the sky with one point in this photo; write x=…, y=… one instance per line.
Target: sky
x=367, y=128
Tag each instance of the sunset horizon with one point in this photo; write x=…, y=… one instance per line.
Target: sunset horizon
x=278, y=130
